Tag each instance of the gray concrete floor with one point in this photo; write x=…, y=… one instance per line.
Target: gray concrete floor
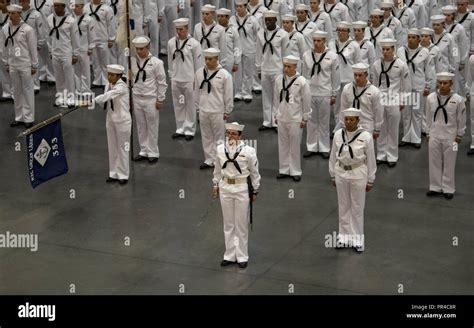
x=176, y=244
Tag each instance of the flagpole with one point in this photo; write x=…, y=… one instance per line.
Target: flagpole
x=48, y=121
x=127, y=14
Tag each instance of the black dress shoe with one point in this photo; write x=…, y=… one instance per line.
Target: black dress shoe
x=242, y=265
x=297, y=178
x=263, y=128
x=225, y=263
x=16, y=123
x=110, y=180
x=391, y=164
x=282, y=176
x=37, y=92
x=177, y=135
x=204, y=166
x=5, y=99
x=432, y=193
x=417, y=145
x=257, y=92
x=379, y=161
x=448, y=195
x=152, y=160
x=470, y=152
x=248, y=100
x=123, y=181
x=275, y=129
x=139, y=158
x=189, y=138
x=325, y=155
x=237, y=99
x=309, y=154
x=28, y=125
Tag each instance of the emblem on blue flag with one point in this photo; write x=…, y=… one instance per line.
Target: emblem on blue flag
x=46, y=154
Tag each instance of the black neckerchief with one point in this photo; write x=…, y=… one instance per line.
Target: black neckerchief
x=452, y=27
x=267, y=5
x=232, y=160
x=443, y=107
x=439, y=40
x=207, y=80
x=11, y=35
x=356, y=101
x=410, y=60
x=401, y=14
x=464, y=18
x=330, y=10
x=56, y=27
x=269, y=41
x=348, y=144
x=286, y=89
x=373, y=38
x=317, y=63
x=4, y=21
x=204, y=35
x=180, y=49
x=94, y=13
x=242, y=26
x=27, y=16
x=41, y=6
x=79, y=24
x=142, y=70
x=304, y=27
x=339, y=52
x=114, y=6
x=385, y=72
x=255, y=11
x=317, y=17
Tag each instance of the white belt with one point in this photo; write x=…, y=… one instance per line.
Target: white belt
x=234, y=181
x=350, y=167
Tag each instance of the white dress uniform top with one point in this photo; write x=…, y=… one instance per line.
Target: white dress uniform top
x=104, y=31
x=272, y=46
x=467, y=21
x=461, y=54
x=354, y=8
x=247, y=27
x=33, y=18
x=234, y=48
x=419, y=10
x=367, y=99
x=19, y=57
x=292, y=94
x=149, y=87
x=323, y=22
x=280, y=6
x=445, y=43
x=393, y=79
x=352, y=167
x=184, y=59
x=45, y=8
x=366, y=48
x=446, y=120
x=395, y=25
x=297, y=43
x=306, y=28
x=235, y=164
x=153, y=27
x=82, y=68
x=470, y=92
x=214, y=96
x=63, y=42
x=322, y=70
x=118, y=124
x=4, y=75
x=257, y=11
x=407, y=18
x=422, y=74
x=375, y=34
x=337, y=11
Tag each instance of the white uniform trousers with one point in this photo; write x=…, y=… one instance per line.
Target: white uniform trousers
x=317, y=133
x=412, y=119
x=243, y=78
x=289, y=147
x=64, y=74
x=100, y=60
x=212, y=134
x=471, y=107
x=257, y=83
x=387, y=143
x=235, y=210
x=147, y=118
x=268, y=86
x=442, y=162
x=6, y=83
x=118, y=141
x=82, y=73
x=184, y=110
x=351, y=203
x=23, y=93
x=46, y=71
x=337, y=109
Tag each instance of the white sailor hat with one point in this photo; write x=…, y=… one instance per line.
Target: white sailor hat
x=444, y=76
x=291, y=60
x=359, y=24
x=270, y=13
x=288, y=17
x=181, y=22
x=141, y=41
x=376, y=12
x=234, y=126
x=208, y=8
x=351, y=112
x=211, y=52
x=360, y=68
x=223, y=11
x=436, y=19
x=64, y=2
x=388, y=42
x=386, y=4
x=114, y=68
x=241, y=2
x=301, y=6
x=15, y=8
x=319, y=34
x=426, y=31
x=414, y=31
x=344, y=24
x=448, y=9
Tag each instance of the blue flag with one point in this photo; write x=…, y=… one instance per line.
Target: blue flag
x=46, y=155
